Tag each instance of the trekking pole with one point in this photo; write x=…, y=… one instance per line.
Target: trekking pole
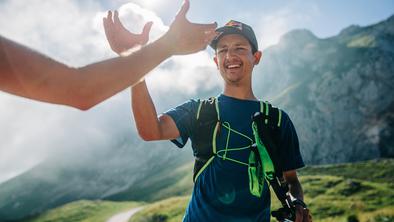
x=287, y=212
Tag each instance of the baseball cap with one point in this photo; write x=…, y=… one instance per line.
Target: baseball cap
x=235, y=27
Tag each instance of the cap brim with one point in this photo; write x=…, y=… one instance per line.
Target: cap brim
x=228, y=31
x=225, y=31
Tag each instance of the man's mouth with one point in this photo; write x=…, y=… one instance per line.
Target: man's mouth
x=233, y=66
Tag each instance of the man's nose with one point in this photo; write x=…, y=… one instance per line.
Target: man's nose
x=230, y=53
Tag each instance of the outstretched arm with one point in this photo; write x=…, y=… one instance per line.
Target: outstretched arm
x=30, y=74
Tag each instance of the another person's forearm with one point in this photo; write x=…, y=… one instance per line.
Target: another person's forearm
x=144, y=111
x=30, y=74
x=117, y=74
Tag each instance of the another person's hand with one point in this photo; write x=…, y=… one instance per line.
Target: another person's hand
x=302, y=214
x=119, y=38
x=185, y=37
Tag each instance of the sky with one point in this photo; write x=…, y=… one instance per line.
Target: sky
x=71, y=32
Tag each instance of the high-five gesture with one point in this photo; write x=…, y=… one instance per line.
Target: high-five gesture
x=119, y=38
x=30, y=74
x=185, y=37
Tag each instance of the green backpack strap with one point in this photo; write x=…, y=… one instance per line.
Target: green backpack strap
x=269, y=132
x=265, y=125
x=203, y=133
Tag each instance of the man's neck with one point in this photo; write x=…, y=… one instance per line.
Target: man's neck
x=245, y=93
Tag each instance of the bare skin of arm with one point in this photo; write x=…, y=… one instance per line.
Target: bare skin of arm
x=302, y=215
x=27, y=73
x=150, y=126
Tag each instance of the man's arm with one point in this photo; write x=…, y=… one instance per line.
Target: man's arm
x=294, y=184
x=302, y=215
x=150, y=126
x=30, y=74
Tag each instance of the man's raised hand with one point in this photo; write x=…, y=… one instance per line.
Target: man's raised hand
x=119, y=38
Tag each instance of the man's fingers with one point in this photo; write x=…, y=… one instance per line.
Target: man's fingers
x=307, y=216
x=109, y=16
x=147, y=28
x=107, y=23
x=205, y=27
x=107, y=28
x=185, y=7
x=117, y=21
x=145, y=33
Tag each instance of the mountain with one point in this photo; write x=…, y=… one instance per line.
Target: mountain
x=92, y=176
x=337, y=91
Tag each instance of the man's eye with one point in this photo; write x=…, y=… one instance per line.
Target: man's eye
x=240, y=49
x=222, y=50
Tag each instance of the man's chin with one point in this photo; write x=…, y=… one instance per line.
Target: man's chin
x=233, y=81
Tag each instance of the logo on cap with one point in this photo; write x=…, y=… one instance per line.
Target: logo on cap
x=234, y=24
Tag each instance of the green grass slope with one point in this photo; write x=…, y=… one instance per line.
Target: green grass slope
x=168, y=210
x=351, y=192
x=84, y=211
x=164, y=183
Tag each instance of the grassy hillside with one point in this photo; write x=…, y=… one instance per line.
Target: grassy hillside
x=84, y=211
x=168, y=210
x=164, y=183
x=351, y=192
x=361, y=191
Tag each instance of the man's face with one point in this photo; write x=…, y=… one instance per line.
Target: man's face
x=234, y=58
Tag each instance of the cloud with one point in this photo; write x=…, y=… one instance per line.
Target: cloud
x=71, y=32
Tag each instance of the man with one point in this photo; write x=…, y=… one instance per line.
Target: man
x=29, y=74
x=222, y=190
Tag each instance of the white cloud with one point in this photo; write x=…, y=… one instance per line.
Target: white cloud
x=187, y=74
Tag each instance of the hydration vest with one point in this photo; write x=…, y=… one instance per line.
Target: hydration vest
x=264, y=162
x=209, y=125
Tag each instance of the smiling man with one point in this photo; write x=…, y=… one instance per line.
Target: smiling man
x=222, y=137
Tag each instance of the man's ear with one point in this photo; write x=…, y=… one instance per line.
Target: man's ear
x=215, y=59
x=257, y=57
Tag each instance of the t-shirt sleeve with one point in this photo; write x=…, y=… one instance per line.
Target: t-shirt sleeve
x=184, y=117
x=290, y=150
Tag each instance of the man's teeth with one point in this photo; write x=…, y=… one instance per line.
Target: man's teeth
x=233, y=66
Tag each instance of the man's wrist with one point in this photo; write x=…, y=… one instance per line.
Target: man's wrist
x=299, y=203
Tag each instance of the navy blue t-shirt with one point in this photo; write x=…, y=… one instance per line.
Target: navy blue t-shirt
x=221, y=191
